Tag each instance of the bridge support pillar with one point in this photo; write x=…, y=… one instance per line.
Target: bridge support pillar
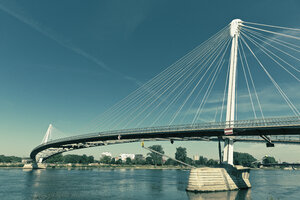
x=34, y=165
x=219, y=179
x=228, y=151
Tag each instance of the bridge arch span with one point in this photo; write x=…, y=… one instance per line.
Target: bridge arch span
x=205, y=131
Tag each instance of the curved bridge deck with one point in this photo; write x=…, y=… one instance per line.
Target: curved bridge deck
x=205, y=131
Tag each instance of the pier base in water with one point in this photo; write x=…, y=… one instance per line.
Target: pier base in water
x=34, y=166
x=219, y=179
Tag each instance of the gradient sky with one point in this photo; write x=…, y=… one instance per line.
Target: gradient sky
x=66, y=61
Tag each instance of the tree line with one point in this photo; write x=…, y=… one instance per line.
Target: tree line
x=244, y=159
x=9, y=159
x=71, y=158
x=152, y=158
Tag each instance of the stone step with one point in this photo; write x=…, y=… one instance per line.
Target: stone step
x=217, y=179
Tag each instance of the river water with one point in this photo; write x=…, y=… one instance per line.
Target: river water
x=139, y=184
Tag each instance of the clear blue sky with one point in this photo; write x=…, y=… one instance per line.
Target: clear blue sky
x=67, y=61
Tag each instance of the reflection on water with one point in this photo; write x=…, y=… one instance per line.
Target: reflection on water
x=156, y=180
x=228, y=195
x=61, y=184
x=182, y=179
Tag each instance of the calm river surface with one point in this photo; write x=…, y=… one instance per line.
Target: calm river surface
x=135, y=184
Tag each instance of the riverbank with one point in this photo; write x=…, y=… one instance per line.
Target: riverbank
x=95, y=165
x=123, y=166
x=11, y=165
x=111, y=166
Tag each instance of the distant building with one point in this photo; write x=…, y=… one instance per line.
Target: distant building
x=196, y=157
x=127, y=155
x=26, y=160
x=117, y=158
x=106, y=154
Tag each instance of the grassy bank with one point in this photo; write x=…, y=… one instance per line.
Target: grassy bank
x=13, y=165
x=118, y=166
x=111, y=166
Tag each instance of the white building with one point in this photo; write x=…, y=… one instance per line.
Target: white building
x=127, y=155
x=196, y=157
x=106, y=154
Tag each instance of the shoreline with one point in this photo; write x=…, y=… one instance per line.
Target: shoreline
x=111, y=166
x=107, y=166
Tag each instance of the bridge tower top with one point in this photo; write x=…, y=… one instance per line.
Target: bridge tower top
x=235, y=26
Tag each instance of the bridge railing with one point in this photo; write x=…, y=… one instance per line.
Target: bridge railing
x=267, y=122
x=285, y=138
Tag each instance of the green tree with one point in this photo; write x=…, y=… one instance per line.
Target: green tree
x=113, y=161
x=149, y=161
x=83, y=159
x=10, y=159
x=268, y=160
x=139, y=160
x=181, y=154
x=212, y=162
x=128, y=161
x=189, y=161
x=105, y=159
x=157, y=159
x=119, y=161
x=58, y=158
x=244, y=159
x=202, y=161
x=71, y=158
x=91, y=159
x=170, y=162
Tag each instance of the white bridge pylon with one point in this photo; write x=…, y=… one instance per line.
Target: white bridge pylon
x=47, y=135
x=45, y=140
x=235, y=26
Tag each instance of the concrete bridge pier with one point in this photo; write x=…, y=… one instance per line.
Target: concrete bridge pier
x=223, y=178
x=34, y=165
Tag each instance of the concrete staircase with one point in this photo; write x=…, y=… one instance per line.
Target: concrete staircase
x=218, y=179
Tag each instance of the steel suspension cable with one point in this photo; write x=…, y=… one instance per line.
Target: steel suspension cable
x=250, y=75
x=164, y=111
x=210, y=85
x=213, y=83
x=186, y=86
x=277, y=48
x=167, y=89
x=225, y=90
x=272, y=26
x=291, y=105
x=248, y=88
x=263, y=49
x=273, y=39
x=188, y=97
x=267, y=31
x=165, y=81
x=115, y=107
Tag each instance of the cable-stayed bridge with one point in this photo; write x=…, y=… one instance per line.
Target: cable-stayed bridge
x=239, y=84
x=283, y=130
